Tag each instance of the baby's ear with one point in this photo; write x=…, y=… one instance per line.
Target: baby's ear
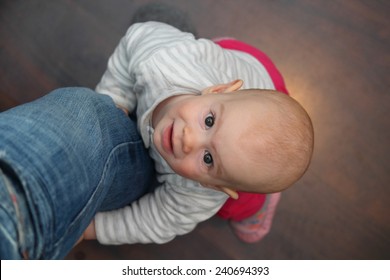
x=224, y=88
x=232, y=193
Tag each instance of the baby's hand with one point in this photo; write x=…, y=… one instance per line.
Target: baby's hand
x=123, y=109
x=80, y=239
x=88, y=234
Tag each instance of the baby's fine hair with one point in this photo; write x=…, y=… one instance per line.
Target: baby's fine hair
x=285, y=141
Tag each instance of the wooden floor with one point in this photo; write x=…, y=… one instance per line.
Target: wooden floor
x=335, y=57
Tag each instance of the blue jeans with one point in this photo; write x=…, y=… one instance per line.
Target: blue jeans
x=63, y=158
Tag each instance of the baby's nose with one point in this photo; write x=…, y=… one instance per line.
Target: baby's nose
x=189, y=140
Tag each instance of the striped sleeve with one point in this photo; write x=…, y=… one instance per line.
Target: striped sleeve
x=159, y=216
x=141, y=41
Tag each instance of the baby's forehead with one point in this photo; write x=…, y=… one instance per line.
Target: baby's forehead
x=252, y=99
x=268, y=139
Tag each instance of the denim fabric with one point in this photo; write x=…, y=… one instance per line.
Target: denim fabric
x=65, y=157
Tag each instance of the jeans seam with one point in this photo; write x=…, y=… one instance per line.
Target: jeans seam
x=97, y=190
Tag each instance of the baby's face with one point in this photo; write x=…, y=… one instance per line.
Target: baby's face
x=205, y=137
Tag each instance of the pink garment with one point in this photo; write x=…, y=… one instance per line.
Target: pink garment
x=249, y=203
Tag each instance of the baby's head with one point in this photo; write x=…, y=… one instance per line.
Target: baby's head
x=235, y=140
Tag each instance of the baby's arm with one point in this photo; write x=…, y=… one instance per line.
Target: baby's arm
x=159, y=216
x=140, y=43
x=155, y=218
x=116, y=81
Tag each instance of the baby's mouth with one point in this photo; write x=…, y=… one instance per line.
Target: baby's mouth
x=167, y=141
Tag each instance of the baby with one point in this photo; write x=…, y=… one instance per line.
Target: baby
x=230, y=139
x=214, y=125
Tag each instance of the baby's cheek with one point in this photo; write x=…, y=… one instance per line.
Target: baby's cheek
x=186, y=171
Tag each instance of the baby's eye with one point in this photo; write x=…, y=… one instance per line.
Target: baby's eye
x=209, y=120
x=208, y=158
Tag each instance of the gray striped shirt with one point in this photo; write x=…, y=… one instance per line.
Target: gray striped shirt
x=152, y=62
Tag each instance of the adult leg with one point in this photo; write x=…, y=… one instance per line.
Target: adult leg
x=10, y=217
x=69, y=155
